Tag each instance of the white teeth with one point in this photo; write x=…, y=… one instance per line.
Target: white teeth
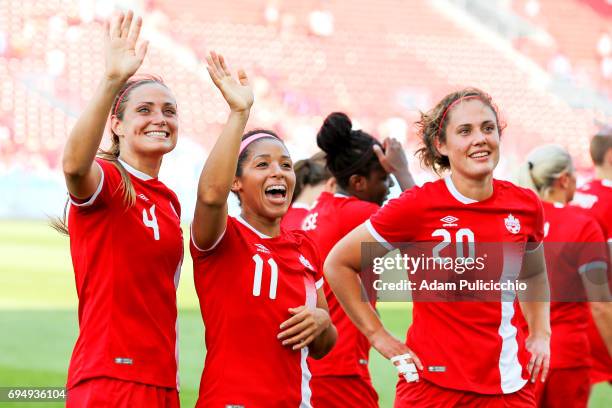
x=480, y=154
x=156, y=134
x=276, y=187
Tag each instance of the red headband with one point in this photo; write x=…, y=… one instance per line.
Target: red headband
x=141, y=79
x=450, y=107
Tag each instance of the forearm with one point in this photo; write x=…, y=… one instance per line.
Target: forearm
x=218, y=172
x=602, y=316
x=535, y=305
x=324, y=342
x=404, y=179
x=346, y=285
x=84, y=139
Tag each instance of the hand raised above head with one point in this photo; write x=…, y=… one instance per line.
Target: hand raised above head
x=237, y=93
x=123, y=57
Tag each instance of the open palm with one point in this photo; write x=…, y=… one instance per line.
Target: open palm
x=122, y=57
x=237, y=93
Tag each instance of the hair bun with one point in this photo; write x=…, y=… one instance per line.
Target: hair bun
x=335, y=133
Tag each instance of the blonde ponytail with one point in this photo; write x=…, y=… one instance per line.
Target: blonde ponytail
x=544, y=165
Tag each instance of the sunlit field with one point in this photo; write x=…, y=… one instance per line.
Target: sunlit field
x=38, y=318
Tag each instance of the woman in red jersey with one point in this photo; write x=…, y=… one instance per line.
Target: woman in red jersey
x=259, y=285
x=311, y=179
x=125, y=236
x=467, y=353
x=577, y=266
x=362, y=170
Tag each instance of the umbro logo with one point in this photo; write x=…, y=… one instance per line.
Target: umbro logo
x=449, y=221
x=144, y=197
x=261, y=248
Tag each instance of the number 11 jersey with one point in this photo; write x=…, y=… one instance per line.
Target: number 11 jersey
x=246, y=283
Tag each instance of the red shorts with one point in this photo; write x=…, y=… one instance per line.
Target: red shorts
x=106, y=392
x=343, y=392
x=424, y=394
x=563, y=385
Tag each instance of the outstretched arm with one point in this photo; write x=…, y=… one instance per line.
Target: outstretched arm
x=216, y=179
x=123, y=59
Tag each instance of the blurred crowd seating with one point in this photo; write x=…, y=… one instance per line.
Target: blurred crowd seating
x=380, y=61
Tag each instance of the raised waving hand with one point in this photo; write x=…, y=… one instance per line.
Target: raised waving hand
x=122, y=59
x=237, y=93
x=123, y=56
x=217, y=176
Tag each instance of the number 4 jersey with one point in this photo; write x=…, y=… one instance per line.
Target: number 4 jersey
x=126, y=262
x=467, y=346
x=246, y=283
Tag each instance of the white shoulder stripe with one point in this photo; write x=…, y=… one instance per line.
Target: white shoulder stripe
x=92, y=199
x=377, y=236
x=213, y=245
x=593, y=265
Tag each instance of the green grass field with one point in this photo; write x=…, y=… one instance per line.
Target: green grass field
x=38, y=320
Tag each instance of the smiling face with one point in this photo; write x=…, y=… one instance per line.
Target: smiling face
x=148, y=122
x=267, y=179
x=472, y=140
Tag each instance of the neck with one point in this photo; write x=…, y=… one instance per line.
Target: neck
x=309, y=194
x=264, y=225
x=603, y=172
x=478, y=190
x=145, y=164
x=556, y=196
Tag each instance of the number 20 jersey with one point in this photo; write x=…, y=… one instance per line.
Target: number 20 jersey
x=126, y=263
x=246, y=283
x=468, y=346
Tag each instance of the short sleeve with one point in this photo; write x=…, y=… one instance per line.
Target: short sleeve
x=592, y=250
x=535, y=236
x=109, y=182
x=356, y=213
x=397, y=221
x=313, y=260
x=226, y=235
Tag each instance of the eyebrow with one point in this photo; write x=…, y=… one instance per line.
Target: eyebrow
x=482, y=123
x=152, y=103
x=269, y=155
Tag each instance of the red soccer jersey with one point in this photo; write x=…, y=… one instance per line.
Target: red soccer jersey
x=469, y=346
x=596, y=197
x=572, y=249
x=295, y=216
x=332, y=218
x=246, y=283
x=127, y=264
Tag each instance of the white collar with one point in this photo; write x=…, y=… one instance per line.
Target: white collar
x=340, y=195
x=558, y=204
x=249, y=226
x=303, y=206
x=134, y=172
x=455, y=193
x=606, y=182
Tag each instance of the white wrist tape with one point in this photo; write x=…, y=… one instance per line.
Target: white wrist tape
x=408, y=370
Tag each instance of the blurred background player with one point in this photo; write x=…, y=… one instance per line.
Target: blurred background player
x=125, y=236
x=577, y=262
x=596, y=197
x=254, y=280
x=362, y=173
x=311, y=179
x=467, y=353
